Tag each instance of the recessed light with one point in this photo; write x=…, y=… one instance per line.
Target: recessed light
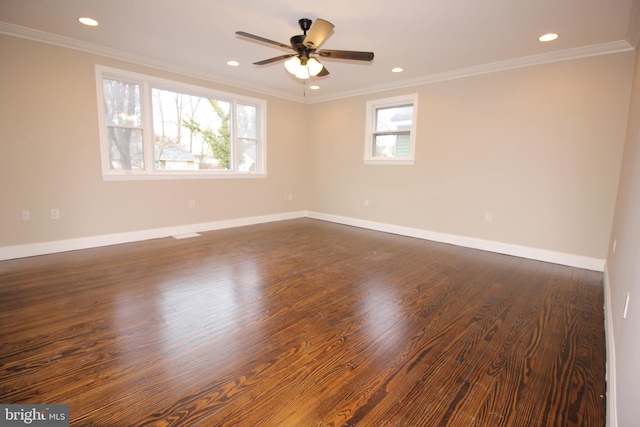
x=233, y=63
x=314, y=87
x=548, y=37
x=397, y=70
x=90, y=22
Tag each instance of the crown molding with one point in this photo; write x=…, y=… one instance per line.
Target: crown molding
x=633, y=31
x=527, y=61
x=95, y=49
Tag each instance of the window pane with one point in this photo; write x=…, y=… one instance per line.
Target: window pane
x=394, y=118
x=384, y=146
x=248, y=155
x=125, y=149
x=403, y=145
x=247, y=121
x=121, y=103
x=190, y=132
x=395, y=145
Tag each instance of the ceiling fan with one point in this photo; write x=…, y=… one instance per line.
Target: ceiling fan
x=301, y=63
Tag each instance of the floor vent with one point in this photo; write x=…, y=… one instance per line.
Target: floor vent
x=186, y=236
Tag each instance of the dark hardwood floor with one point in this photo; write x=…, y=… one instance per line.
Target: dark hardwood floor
x=303, y=323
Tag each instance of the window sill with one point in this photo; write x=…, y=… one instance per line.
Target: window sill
x=389, y=162
x=179, y=175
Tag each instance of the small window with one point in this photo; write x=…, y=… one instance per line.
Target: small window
x=153, y=128
x=391, y=130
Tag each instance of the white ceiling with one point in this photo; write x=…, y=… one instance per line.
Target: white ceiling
x=430, y=39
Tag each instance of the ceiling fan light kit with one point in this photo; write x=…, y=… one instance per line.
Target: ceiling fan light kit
x=303, y=68
x=301, y=64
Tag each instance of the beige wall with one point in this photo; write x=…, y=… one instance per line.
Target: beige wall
x=623, y=271
x=51, y=157
x=538, y=147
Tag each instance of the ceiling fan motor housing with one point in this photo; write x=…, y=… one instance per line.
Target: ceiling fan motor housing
x=298, y=45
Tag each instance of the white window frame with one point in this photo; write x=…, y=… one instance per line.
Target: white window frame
x=147, y=83
x=372, y=107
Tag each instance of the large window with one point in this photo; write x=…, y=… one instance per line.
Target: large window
x=391, y=130
x=154, y=128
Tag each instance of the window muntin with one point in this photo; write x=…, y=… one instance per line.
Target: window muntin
x=391, y=130
x=154, y=128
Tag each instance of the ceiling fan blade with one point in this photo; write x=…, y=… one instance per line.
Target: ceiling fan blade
x=346, y=54
x=275, y=59
x=262, y=39
x=323, y=72
x=318, y=33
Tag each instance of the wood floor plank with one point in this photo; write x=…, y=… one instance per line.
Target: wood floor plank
x=303, y=323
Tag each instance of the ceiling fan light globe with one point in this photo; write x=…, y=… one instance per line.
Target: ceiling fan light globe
x=314, y=66
x=292, y=65
x=303, y=73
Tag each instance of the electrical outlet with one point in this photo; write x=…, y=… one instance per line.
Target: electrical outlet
x=488, y=217
x=192, y=203
x=26, y=215
x=366, y=203
x=55, y=213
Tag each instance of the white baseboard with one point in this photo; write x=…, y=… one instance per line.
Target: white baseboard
x=612, y=413
x=469, y=242
x=21, y=251
x=43, y=248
